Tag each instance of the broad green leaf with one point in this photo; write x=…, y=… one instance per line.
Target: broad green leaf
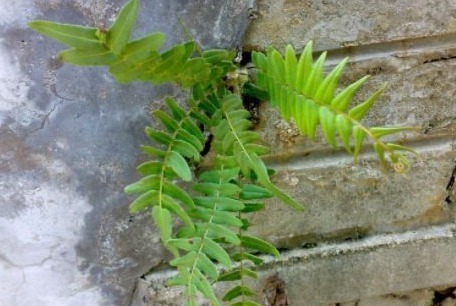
x=145, y=184
x=138, y=50
x=178, y=193
x=187, y=260
x=343, y=99
x=259, y=245
x=184, y=244
x=176, y=162
x=170, y=204
x=252, y=207
x=186, y=149
x=150, y=168
x=394, y=146
x=223, y=176
x=291, y=64
x=207, y=266
x=381, y=154
x=236, y=292
x=344, y=126
x=220, y=203
x=144, y=201
x=72, y=35
x=358, y=112
x=237, y=274
x=277, y=64
x=159, y=136
x=169, y=123
x=119, y=32
x=153, y=151
x=164, y=222
x=358, y=135
x=263, y=177
x=206, y=188
x=256, y=260
x=230, y=276
x=192, y=128
x=172, y=61
x=205, y=287
x=214, y=56
x=229, y=204
x=316, y=76
x=185, y=135
x=226, y=218
x=253, y=192
x=95, y=56
x=304, y=67
x=215, y=251
x=224, y=232
x=326, y=90
x=176, y=110
x=328, y=124
x=383, y=131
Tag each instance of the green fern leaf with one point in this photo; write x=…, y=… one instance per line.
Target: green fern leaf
x=215, y=251
x=176, y=162
x=237, y=292
x=221, y=231
x=311, y=100
x=96, y=56
x=72, y=35
x=144, y=201
x=259, y=244
x=119, y=33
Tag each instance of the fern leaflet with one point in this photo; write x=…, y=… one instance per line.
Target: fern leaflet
x=300, y=91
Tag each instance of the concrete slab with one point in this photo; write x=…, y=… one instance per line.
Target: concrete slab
x=339, y=273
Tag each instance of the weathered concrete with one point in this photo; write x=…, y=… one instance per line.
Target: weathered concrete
x=346, y=201
x=411, y=46
x=344, y=272
x=69, y=144
x=333, y=24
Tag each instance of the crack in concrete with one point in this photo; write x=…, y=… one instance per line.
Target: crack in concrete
x=450, y=199
x=47, y=115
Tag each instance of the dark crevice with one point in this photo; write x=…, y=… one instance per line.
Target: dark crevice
x=442, y=295
x=439, y=59
x=207, y=145
x=450, y=188
x=252, y=104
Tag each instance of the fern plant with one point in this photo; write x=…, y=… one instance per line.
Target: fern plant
x=214, y=210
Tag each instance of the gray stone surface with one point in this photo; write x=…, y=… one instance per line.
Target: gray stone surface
x=69, y=144
x=361, y=272
x=334, y=24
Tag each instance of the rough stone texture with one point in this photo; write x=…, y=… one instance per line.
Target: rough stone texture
x=333, y=24
x=69, y=144
x=363, y=272
x=347, y=201
x=404, y=260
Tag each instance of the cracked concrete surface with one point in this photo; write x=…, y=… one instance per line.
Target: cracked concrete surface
x=69, y=143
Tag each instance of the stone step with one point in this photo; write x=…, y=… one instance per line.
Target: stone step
x=343, y=272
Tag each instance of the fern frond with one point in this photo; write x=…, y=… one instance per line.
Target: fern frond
x=300, y=91
x=181, y=142
x=234, y=139
x=138, y=60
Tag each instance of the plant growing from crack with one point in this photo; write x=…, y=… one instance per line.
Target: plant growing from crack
x=214, y=210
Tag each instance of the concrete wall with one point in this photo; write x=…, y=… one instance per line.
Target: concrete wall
x=69, y=140
x=366, y=238
x=70, y=136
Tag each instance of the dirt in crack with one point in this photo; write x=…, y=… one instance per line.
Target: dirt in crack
x=450, y=188
x=443, y=295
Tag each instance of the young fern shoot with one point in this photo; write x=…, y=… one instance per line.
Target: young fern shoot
x=214, y=209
